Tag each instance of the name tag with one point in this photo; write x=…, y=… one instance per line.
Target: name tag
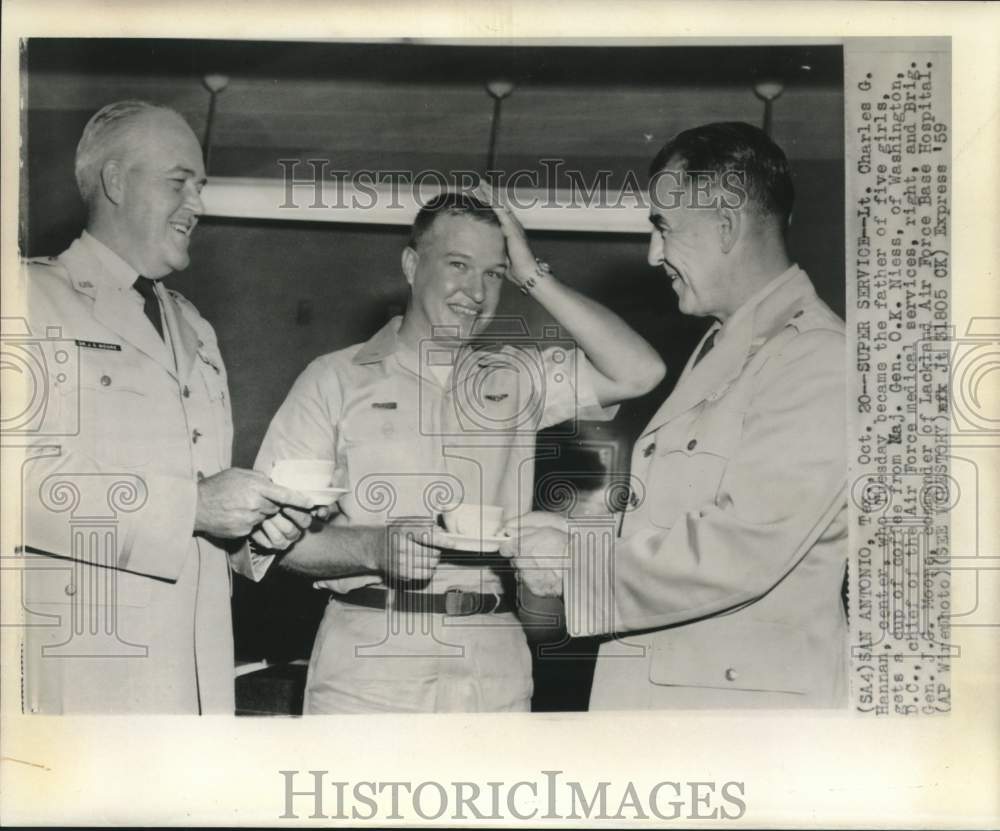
x=384, y=405
x=96, y=344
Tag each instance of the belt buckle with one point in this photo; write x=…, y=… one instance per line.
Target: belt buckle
x=458, y=603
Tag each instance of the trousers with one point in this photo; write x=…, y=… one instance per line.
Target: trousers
x=384, y=661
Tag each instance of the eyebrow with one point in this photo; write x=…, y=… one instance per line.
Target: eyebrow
x=177, y=168
x=658, y=221
x=499, y=265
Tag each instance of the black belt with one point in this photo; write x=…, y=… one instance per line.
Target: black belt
x=455, y=602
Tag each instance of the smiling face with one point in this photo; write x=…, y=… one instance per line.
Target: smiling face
x=158, y=190
x=686, y=243
x=456, y=273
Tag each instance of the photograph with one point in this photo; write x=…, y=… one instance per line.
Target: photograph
x=345, y=404
x=499, y=415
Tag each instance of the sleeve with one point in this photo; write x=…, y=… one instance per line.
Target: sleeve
x=569, y=388
x=305, y=427
x=782, y=487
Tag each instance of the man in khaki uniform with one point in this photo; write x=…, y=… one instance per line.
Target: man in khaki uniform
x=724, y=582
x=424, y=415
x=131, y=507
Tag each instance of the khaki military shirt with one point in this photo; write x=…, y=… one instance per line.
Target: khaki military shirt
x=408, y=445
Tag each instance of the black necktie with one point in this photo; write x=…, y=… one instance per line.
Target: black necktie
x=151, y=303
x=706, y=347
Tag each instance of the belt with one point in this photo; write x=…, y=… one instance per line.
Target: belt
x=455, y=602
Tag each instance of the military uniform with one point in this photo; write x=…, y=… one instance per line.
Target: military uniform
x=730, y=560
x=408, y=444
x=132, y=614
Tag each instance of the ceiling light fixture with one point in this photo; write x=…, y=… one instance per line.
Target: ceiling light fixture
x=767, y=90
x=215, y=84
x=498, y=90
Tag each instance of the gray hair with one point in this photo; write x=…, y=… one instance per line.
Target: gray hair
x=103, y=137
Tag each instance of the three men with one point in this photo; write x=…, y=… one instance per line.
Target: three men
x=725, y=578
x=131, y=507
x=425, y=415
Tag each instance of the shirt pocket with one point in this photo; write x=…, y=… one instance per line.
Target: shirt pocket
x=71, y=583
x=120, y=415
x=388, y=466
x=690, y=457
x=732, y=653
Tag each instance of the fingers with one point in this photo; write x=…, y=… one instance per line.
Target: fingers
x=536, y=519
x=260, y=538
x=485, y=193
x=302, y=519
x=508, y=548
x=280, y=495
x=279, y=532
x=412, y=557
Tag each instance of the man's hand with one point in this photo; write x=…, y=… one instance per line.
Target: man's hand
x=522, y=262
x=534, y=520
x=407, y=555
x=539, y=552
x=233, y=502
x=282, y=530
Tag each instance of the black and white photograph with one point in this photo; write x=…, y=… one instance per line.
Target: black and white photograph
x=393, y=427
x=389, y=394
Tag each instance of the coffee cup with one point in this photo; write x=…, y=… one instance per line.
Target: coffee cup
x=303, y=474
x=472, y=519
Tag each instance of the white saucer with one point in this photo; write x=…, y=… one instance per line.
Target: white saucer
x=457, y=542
x=325, y=496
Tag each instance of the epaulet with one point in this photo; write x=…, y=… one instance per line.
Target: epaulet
x=40, y=261
x=811, y=316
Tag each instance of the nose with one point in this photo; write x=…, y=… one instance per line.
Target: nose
x=655, y=254
x=475, y=285
x=193, y=202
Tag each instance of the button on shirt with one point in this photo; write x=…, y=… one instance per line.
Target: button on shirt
x=408, y=443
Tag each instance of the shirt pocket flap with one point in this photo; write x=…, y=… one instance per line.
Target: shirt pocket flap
x=727, y=653
x=716, y=430
x=66, y=582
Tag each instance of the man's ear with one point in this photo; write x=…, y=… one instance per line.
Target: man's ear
x=113, y=181
x=730, y=225
x=409, y=262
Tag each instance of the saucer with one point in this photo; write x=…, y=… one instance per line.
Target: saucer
x=325, y=496
x=458, y=542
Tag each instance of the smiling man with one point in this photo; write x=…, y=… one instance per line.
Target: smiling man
x=725, y=579
x=131, y=507
x=423, y=415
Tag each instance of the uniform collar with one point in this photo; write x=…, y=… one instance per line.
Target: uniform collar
x=114, y=269
x=751, y=326
x=382, y=344
x=386, y=342
x=96, y=271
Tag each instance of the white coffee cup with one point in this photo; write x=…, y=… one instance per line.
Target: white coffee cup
x=303, y=474
x=471, y=519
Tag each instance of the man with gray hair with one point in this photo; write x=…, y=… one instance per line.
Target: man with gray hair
x=130, y=611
